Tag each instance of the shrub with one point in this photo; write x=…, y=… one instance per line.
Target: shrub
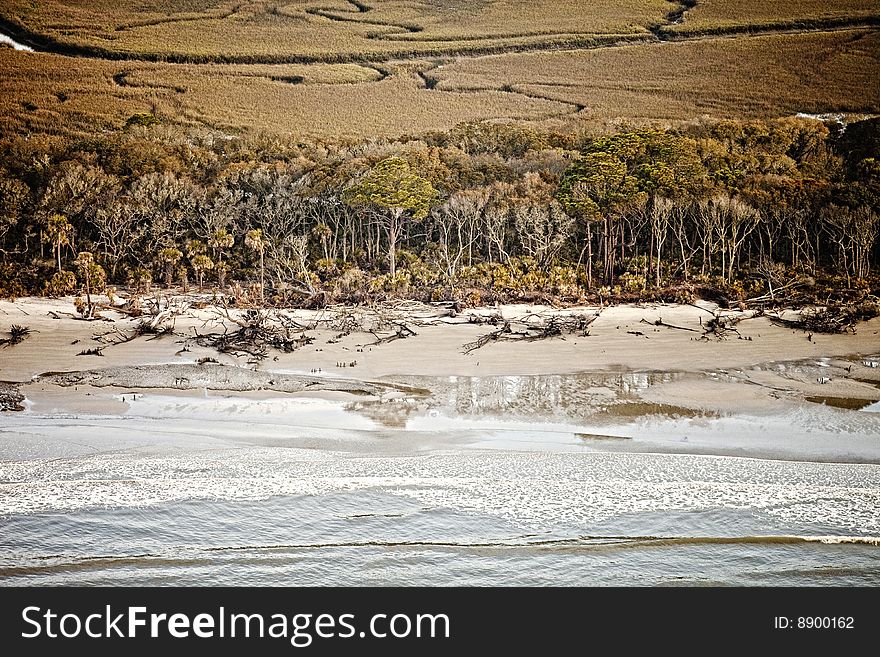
x=140, y=279
x=633, y=282
x=145, y=119
x=350, y=281
x=61, y=284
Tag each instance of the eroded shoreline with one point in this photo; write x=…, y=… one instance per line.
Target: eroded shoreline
x=624, y=383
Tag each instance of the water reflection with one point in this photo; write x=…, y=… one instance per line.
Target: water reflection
x=566, y=397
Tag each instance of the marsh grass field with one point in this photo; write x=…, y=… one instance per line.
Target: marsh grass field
x=342, y=69
x=717, y=16
x=323, y=30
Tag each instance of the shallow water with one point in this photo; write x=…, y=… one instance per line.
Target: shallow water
x=5, y=39
x=224, y=490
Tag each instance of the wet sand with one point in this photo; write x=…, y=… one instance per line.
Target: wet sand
x=767, y=391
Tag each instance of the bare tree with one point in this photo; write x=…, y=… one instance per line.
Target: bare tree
x=214, y=213
x=854, y=232
x=78, y=192
x=726, y=223
x=542, y=228
x=660, y=218
x=118, y=232
x=287, y=261
x=457, y=223
x=800, y=230
x=163, y=203
x=496, y=221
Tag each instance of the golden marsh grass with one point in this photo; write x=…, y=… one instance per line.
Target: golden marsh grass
x=336, y=30
x=710, y=15
x=744, y=77
x=57, y=94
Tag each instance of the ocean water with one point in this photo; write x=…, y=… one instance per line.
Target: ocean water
x=218, y=490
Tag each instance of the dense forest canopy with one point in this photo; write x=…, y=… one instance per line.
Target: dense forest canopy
x=484, y=211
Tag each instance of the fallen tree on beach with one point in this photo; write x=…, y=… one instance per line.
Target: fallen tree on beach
x=531, y=328
x=838, y=318
x=257, y=332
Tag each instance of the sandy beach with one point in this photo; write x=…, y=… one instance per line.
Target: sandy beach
x=628, y=384
x=418, y=459
x=618, y=339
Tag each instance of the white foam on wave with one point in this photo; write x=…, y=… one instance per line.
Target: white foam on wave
x=541, y=489
x=843, y=540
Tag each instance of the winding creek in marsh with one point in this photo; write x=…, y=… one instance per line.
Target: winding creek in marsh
x=8, y=41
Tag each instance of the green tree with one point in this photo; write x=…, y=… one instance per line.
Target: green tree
x=614, y=177
x=593, y=189
x=394, y=191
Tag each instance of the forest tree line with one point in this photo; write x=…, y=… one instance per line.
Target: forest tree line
x=480, y=212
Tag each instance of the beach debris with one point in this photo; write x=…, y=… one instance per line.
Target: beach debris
x=721, y=326
x=258, y=331
x=402, y=331
x=10, y=397
x=95, y=351
x=833, y=318
x=160, y=323
x=718, y=326
x=781, y=294
x=599, y=436
x=493, y=320
x=535, y=326
x=659, y=322
x=871, y=363
x=823, y=380
x=17, y=334
x=59, y=314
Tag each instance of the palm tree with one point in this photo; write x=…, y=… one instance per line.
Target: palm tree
x=220, y=240
x=169, y=258
x=254, y=240
x=202, y=263
x=58, y=232
x=93, y=278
